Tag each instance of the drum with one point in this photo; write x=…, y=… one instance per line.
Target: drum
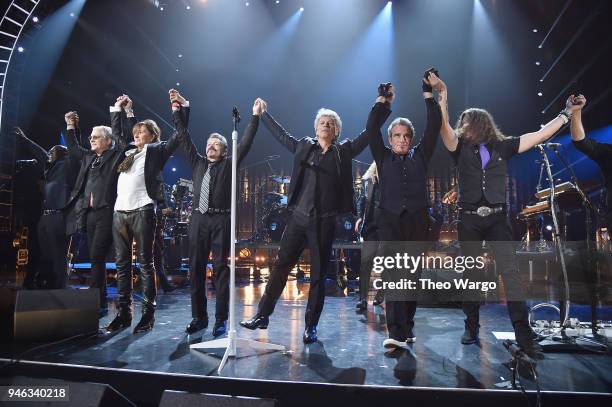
x=345, y=228
x=275, y=223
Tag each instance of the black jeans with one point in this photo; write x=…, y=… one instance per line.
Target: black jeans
x=138, y=226
x=409, y=226
x=318, y=235
x=473, y=229
x=99, y=240
x=53, y=244
x=209, y=232
x=158, y=252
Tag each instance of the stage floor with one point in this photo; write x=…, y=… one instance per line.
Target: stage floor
x=349, y=349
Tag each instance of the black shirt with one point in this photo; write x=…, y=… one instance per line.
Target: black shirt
x=95, y=185
x=601, y=153
x=59, y=181
x=318, y=195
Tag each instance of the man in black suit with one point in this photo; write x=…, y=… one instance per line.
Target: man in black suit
x=56, y=224
x=321, y=187
x=139, y=187
x=95, y=189
x=209, y=227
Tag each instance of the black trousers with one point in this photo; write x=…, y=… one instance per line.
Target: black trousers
x=158, y=252
x=138, y=226
x=209, y=233
x=53, y=244
x=408, y=226
x=316, y=234
x=472, y=230
x=99, y=240
x=365, y=269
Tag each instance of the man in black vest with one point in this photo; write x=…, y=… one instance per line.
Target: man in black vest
x=481, y=153
x=601, y=153
x=404, y=199
x=95, y=189
x=57, y=223
x=321, y=187
x=209, y=226
x=139, y=187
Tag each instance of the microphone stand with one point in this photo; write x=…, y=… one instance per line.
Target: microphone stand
x=233, y=341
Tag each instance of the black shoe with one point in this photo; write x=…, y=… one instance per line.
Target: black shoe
x=122, y=320
x=196, y=324
x=220, y=327
x=362, y=305
x=146, y=322
x=379, y=298
x=310, y=334
x=470, y=335
x=258, y=321
x=410, y=337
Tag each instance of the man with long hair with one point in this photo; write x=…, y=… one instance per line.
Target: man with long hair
x=481, y=153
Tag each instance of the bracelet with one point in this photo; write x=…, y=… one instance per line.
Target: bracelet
x=129, y=111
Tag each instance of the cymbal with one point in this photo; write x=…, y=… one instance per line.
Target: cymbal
x=280, y=179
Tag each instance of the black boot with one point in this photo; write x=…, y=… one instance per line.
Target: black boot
x=362, y=306
x=258, y=321
x=197, y=324
x=220, y=327
x=310, y=334
x=470, y=335
x=146, y=322
x=379, y=298
x=122, y=320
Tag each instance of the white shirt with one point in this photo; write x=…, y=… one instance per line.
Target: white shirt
x=131, y=188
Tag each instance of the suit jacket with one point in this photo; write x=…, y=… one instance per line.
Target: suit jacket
x=221, y=192
x=301, y=148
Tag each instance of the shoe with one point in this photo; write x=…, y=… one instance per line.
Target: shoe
x=391, y=343
x=470, y=335
x=146, y=322
x=258, y=321
x=361, y=306
x=122, y=320
x=220, y=327
x=410, y=338
x=196, y=324
x=310, y=334
x=379, y=298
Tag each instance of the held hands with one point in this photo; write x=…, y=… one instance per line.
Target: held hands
x=121, y=101
x=259, y=106
x=175, y=96
x=72, y=120
x=433, y=82
x=386, y=93
x=575, y=103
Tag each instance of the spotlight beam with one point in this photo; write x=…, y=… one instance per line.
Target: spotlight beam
x=584, y=25
x=567, y=3
x=578, y=75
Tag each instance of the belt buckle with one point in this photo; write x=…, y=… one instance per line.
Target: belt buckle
x=484, y=211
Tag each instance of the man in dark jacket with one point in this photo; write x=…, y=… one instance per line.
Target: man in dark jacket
x=57, y=222
x=321, y=187
x=209, y=226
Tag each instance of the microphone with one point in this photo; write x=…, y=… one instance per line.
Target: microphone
x=553, y=145
x=33, y=161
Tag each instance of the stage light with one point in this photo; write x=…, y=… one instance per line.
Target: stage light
x=173, y=169
x=161, y=8
x=20, y=49
x=301, y=8
x=539, y=93
x=389, y=3
x=178, y=84
x=177, y=69
x=35, y=19
x=188, y=7
x=548, y=227
x=537, y=63
x=71, y=14
x=277, y=1
x=247, y=4
x=180, y=55
x=535, y=30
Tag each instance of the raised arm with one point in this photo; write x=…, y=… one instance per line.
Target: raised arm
x=449, y=137
x=588, y=147
x=279, y=133
x=434, y=116
x=529, y=140
x=120, y=133
x=39, y=153
x=378, y=115
x=259, y=106
x=179, y=117
x=72, y=136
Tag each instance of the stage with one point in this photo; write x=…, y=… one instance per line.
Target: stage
x=349, y=350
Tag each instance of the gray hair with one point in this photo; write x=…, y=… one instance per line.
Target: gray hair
x=401, y=121
x=323, y=112
x=219, y=137
x=107, y=131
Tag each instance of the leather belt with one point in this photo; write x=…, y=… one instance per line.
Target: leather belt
x=484, y=211
x=51, y=211
x=216, y=211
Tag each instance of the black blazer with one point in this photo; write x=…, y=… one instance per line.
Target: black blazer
x=346, y=149
x=221, y=193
